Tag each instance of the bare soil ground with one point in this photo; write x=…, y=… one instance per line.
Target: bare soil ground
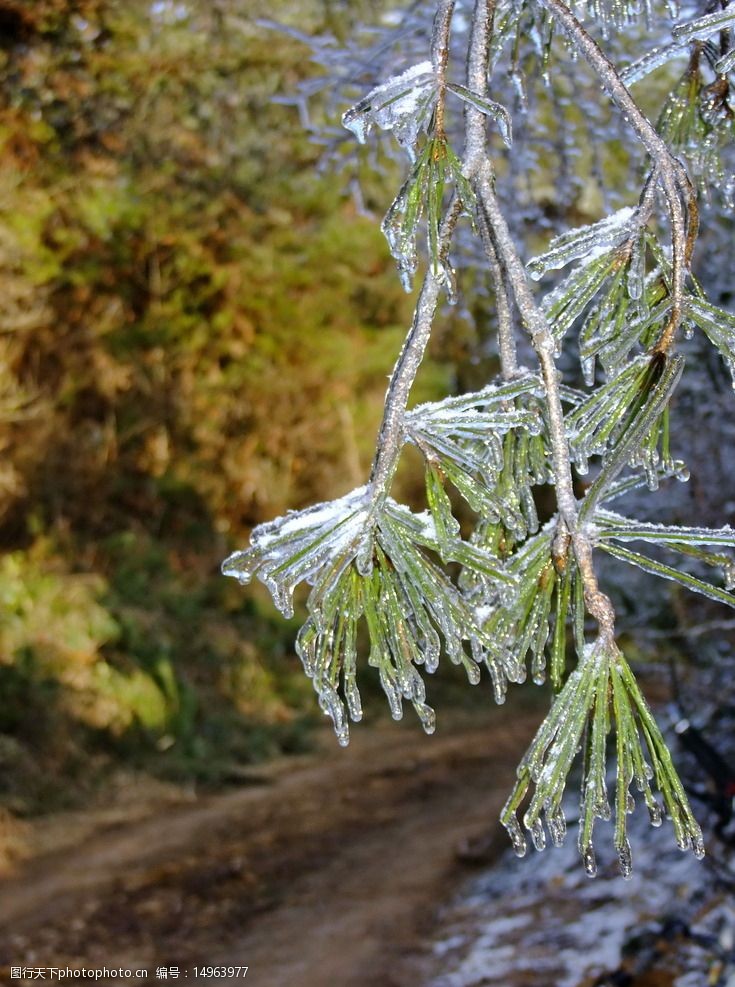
x=325, y=872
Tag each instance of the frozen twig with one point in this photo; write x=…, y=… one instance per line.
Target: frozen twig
x=543, y=342
x=475, y=154
x=440, y=57
x=390, y=436
x=671, y=174
x=480, y=171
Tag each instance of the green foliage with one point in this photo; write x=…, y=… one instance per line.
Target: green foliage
x=376, y=567
x=169, y=271
x=601, y=689
x=436, y=167
x=698, y=121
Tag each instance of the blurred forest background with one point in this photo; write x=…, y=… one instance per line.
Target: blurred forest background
x=196, y=331
x=196, y=335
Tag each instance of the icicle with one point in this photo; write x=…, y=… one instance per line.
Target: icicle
x=305, y=647
x=431, y=649
x=402, y=239
x=354, y=705
x=538, y=668
x=588, y=370
x=499, y=684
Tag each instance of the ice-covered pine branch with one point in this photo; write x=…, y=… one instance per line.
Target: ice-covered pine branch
x=515, y=594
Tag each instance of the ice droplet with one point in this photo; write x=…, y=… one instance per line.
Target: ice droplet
x=538, y=835
x=473, y=672
x=557, y=824
x=538, y=668
x=427, y=716
x=655, y=813
x=642, y=781
x=332, y=706
x=364, y=557
x=684, y=841
x=590, y=861
x=625, y=859
x=516, y=836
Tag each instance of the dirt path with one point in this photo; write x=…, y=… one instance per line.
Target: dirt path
x=323, y=874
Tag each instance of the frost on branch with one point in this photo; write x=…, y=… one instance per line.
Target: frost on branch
x=718, y=326
x=403, y=104
x=599, y=695
x=697, y=119
x=496, y=111
x=302, y=546
x=626, y=422
x=491, y=446
x=436, y=169
x=370, y=563
x=587, y=242
x=703, y=27
x=688, y=542
x=534, y=621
